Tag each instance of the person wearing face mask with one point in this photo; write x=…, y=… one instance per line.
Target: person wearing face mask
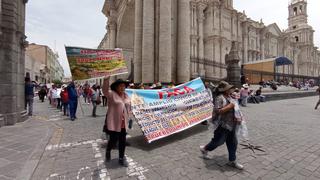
x=225, y=123
x=117, y=117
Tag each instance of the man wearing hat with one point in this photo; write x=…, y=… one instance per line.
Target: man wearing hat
x=117, y=116
x=224, y=120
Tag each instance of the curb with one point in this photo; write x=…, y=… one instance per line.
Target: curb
x=289, y=95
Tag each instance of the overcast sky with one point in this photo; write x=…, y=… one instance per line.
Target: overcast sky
x=80, y=22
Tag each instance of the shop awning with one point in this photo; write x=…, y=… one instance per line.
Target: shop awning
x=280, y=61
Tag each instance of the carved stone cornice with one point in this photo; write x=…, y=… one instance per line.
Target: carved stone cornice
x=201, y=7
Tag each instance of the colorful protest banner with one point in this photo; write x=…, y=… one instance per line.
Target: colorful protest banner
x=161, y=113
x=93, y=63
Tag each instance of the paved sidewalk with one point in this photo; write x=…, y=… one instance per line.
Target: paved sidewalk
x=22, y=145
x=287, y=130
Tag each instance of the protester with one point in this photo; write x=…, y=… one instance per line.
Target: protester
x=73, y=100
x=65, y=100
x=80, y=91
x=29, y=95
x=158, y=85
x=104, y=99
x=87, y=94
x=226, y=125
x=49, y=95
x=171, y=85
x=318, y=103
x=244, y=94
x=95, y=99
x=59, y=89
x=54, y=96
x=117, y=117
x=42, y=93
x=236, y=94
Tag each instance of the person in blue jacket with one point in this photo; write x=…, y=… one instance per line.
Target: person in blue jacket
x=73, y=100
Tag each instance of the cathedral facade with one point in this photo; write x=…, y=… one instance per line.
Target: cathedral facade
x=178, y=40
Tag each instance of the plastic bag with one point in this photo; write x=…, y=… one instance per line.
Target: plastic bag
x=242, y=131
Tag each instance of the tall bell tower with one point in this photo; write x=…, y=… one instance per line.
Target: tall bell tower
x=301, y=36
x=297, y=14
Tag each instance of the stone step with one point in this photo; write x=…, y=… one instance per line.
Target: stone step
x=289, y=95
x=1, y=120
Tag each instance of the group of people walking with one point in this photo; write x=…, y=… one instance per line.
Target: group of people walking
x=226, y=108
x=227, y=116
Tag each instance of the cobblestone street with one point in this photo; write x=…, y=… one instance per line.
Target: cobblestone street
x=286, y=130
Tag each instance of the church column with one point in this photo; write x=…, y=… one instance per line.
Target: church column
x=165, y=53
x=148, y=42
x=138, y=41
x=112, y=26
x=245, y=43
x=201, y=18
x=248, y=57
x=12, y=63
x=183, y=57
x=262, y=40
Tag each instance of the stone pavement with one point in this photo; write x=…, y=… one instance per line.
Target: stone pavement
x=21, y=146
x=287, y=130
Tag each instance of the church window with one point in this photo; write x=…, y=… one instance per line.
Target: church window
x=300, y=9
x=296, y=38
x=294, y=27
x=295, y=11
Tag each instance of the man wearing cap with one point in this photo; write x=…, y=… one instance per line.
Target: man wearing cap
x=224, y=120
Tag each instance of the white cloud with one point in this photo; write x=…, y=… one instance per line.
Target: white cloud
x=60, y=22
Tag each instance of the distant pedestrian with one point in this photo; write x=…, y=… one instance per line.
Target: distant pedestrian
x=117, y=117
x=259, y=96
x=318, y=103
x=54, y=96
x=59, y=106
x=42, y=93
x=244, y=94
x=86, y=92
x=65, y=100
x=225, y=122
x=104, y=99
x=73, y=100
x=29, y=95
x=95, y=99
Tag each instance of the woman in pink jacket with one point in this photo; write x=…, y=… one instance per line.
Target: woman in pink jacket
x=117, y=116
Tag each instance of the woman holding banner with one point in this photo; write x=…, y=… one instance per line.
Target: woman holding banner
x=224, y=120
x=117, y=117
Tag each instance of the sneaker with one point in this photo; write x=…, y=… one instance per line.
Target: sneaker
x=123, y=162
x=236, y=165
x=204, y=152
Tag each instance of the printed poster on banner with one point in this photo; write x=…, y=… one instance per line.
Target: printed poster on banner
x=164, y=112
x=93, y=63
